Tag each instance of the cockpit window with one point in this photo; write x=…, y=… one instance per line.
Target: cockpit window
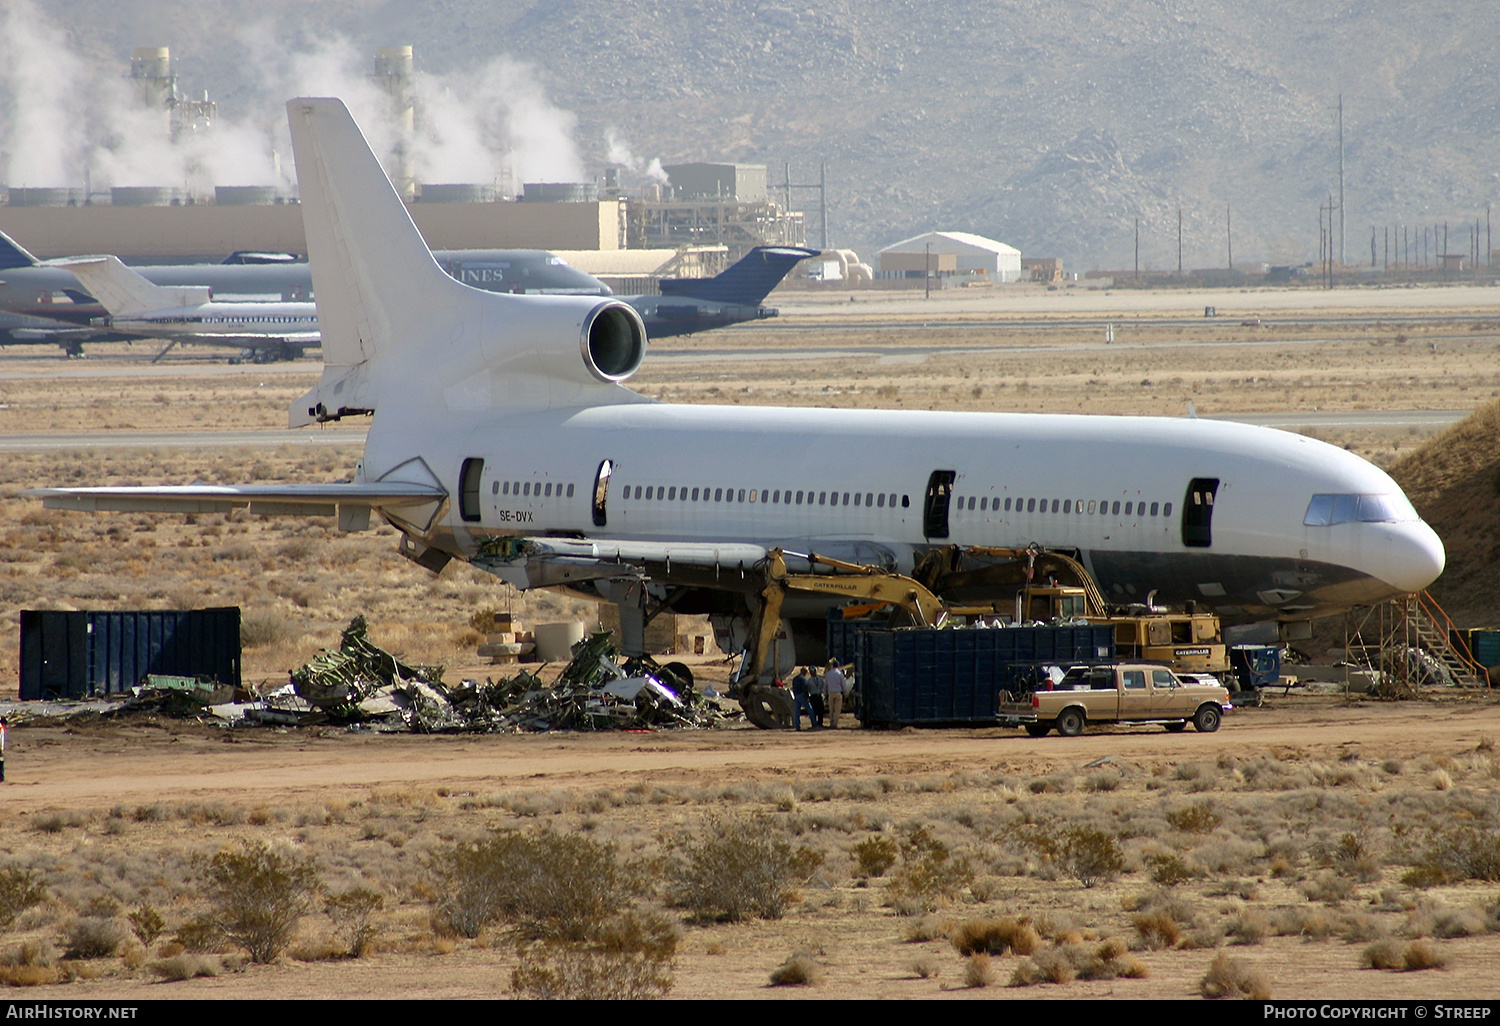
x=1324, y=510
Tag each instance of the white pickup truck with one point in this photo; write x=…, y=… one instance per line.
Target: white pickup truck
x=1121, y=693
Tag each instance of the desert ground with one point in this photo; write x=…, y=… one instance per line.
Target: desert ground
x=1306, y=840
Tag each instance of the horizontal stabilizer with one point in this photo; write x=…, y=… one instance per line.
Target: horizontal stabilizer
x=303, y=500
x=747, y=282
x=123, y=292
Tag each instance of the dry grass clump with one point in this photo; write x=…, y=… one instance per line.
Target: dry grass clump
x=1390, y=955
x=995, y=936
x=1247, y=927
x=979, y=971
x=184, y=966
x=352, y=912
x=1069, y=961
x=925, y=967
x=1157, y=930
x=629, y=957
x=1231, y=977
x=799, y=970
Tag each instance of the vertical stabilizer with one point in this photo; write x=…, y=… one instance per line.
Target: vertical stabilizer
x=13, y=254
x=376, y=283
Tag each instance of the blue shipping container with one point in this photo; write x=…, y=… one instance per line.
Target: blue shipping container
x=86, y=654
x=922, y=676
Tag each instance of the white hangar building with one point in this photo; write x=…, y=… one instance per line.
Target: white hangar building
x=951, y=253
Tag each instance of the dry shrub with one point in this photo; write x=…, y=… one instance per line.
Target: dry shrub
x=925, y=968
x=1157, y=930
x=95, y=937
x=1230, y=977
x=979, y=971
x=258, y=897
x=1420, y=955
x=351, y=912
x=262, y=627
x=1195, y=819
x=1458, y=853
x=1090, y=856
x=995, y=937
x=554, y=886
x=1168, y=870
x=147, y=924
x=875, y=855
x=742, y=868
x=19, y=891
x=799, y=970
x=931, y=875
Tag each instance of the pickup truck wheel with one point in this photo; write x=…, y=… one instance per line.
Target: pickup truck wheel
x=1206, y=719
x=1070, y=722
x=1038, y=729
x=1176, y=728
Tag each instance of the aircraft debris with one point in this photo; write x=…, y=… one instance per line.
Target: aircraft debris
x=362, y=682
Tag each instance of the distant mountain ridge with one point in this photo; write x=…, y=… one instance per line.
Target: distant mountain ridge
x=1048, y=126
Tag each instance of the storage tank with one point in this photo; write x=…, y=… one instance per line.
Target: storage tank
x=560, y=192
x=145, y=196
x=457, y=192
x=244, y=195
x=45, y=197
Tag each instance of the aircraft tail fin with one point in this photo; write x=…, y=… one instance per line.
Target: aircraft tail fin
x=397, y=329
x=746, y=283
x=122, y=291
x=376, y=281
x=13, y=254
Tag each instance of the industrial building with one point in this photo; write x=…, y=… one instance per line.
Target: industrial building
x=951, y=255
x=703, y=219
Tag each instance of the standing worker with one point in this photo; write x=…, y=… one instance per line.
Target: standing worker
x=835, y=684
x=800, y=694
x=2, y=749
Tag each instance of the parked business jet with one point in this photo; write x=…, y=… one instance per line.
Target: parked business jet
x=502, y=434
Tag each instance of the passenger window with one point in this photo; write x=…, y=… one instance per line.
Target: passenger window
x=570, y=490
x=1154, y=506
x=1067, y=505
x=1162, y=679
x=1135, y=679
x=742, y=495
x=1055, y=504
x=494, y=487
x=718, y=494
x=549, y=489
x=1127, y=509
x=1092, y=507
x=1007, y=505
x=1115, y=510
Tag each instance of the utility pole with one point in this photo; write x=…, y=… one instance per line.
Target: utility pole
x=1342, y=256
x=927, y=273
x=1138, y=247
x=1229, y=235
x=1179, y=242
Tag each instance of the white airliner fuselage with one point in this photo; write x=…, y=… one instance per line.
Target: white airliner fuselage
x=502, y=435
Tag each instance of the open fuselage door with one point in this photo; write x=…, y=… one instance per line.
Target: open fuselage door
x=935, y=505
x=1198, y=512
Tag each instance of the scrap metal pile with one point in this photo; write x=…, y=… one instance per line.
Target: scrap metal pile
x=362, y=682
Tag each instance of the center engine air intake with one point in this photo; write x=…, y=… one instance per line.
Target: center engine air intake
x=614, y=341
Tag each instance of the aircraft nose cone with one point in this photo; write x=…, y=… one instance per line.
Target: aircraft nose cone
x=1415, y=557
